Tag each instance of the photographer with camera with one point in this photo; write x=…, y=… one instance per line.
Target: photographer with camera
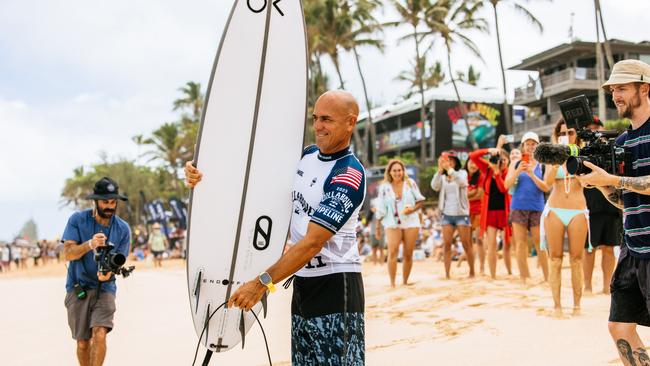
x=96, y=242
x=629, y=84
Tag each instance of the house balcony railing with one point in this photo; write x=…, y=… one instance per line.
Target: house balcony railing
x=559, y=82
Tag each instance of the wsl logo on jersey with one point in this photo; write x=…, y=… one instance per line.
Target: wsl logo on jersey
x=349, y=177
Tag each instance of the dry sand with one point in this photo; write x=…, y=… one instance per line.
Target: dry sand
x=432, y=322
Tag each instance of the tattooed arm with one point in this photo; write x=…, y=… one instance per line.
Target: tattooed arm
x=613, y=195
x=636, y=184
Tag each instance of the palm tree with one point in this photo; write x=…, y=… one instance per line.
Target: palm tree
x=330, y=26
x=433, y=76
x=472, y=77
x=167, y=148
x=192, y=99
x=533, y=21
x=449, y=19
x=413, y=13
x=334, y=25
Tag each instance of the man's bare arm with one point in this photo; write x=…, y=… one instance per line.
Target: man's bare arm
x=300, y=253
x=639, y=185
x=73, y=251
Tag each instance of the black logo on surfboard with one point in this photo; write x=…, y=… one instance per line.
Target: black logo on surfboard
x=261, y=9
x=262, y=237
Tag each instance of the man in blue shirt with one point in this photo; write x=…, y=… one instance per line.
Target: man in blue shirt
x=629, y=84
x=90, y=295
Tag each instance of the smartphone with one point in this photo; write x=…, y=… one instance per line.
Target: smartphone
x=510, y=139
x=525, y=157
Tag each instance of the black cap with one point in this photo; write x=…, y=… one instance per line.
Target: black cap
x=106, y=189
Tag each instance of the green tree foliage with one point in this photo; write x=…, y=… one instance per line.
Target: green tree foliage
x=29, y=231
x=167, y=148
x=472, y=76
x=433, y=76
x=191, y=101
x=131, y=178
x=170, y=146
x=617, y=124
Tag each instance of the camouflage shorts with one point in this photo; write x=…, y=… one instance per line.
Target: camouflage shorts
x=323, y=340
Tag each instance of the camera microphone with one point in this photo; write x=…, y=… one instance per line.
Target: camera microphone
x=554, y=154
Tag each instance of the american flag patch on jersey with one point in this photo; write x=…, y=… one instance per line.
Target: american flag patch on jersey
x=350, y=177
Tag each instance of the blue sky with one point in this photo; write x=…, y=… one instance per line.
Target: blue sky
x=78, y=78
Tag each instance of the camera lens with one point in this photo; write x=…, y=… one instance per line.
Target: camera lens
x=118, y=259
x=575, y=165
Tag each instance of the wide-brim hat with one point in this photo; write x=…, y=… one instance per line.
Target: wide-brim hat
x=106, y=189
x=628, y=71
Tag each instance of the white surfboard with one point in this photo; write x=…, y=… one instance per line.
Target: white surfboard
x=248, y=148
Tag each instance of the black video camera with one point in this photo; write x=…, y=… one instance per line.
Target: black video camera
x=110, y=261
x=600, y=146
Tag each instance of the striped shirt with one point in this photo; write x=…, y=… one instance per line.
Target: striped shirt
x=636, y=213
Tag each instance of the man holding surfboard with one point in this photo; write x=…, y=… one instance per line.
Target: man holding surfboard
x=329, y=188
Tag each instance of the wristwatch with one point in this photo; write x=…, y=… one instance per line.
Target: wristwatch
x=265, y=279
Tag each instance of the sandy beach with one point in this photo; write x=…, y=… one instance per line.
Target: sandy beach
x=431, y=322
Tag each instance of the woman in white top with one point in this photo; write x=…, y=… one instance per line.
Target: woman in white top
x=454, y=204
x=399, y=202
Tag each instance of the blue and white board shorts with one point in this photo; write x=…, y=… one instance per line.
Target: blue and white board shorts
x=327, y=321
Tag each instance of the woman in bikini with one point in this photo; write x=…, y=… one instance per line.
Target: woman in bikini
x=565, y=211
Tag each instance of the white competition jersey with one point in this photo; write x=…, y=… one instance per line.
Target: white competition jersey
x=328, y=191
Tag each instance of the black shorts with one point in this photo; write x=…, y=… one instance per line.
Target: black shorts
x=630, y=289
x=327, y=320
x=605, y=229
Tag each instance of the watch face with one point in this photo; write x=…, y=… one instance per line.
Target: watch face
x=265, y=278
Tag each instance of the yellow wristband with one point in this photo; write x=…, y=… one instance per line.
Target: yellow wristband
x=271, y=287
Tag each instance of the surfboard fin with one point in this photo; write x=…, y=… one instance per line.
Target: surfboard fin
x=265, y=303
x=242, y=329
x=207, y=324
x=197, y=289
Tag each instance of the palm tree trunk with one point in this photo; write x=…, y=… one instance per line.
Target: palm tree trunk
x=461, y=105
x=361, y=150
x=600, y=68
x=370, y=126
x=338, y=72
x=506, y=107
x=419, y=77
x=608, y=49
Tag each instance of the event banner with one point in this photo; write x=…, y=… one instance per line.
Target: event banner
x=485, y=122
